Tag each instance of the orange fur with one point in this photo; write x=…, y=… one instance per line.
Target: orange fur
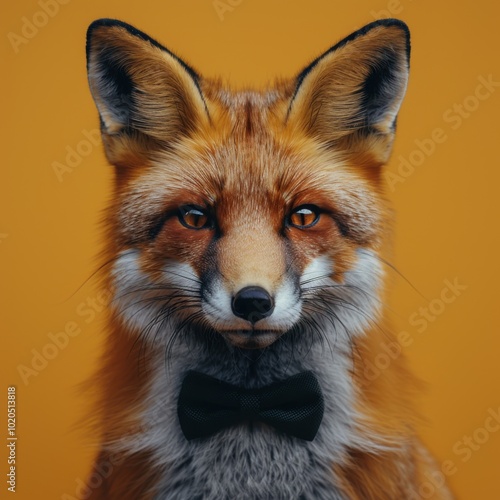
x=259, y=154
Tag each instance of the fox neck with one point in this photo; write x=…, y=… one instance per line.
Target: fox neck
x=208, y=468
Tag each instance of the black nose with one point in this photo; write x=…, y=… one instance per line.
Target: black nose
x=252, y=303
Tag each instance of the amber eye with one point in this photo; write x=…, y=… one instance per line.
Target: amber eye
x=304, y=216
x=194, y=217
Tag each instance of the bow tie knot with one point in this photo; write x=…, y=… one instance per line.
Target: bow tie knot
x=249, y=405
x=207, y=405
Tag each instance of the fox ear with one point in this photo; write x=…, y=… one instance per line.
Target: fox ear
x=350, y=96
x=139, y=86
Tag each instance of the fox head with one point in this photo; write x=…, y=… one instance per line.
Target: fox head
x=246, y=215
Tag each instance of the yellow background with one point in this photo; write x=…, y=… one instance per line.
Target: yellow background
x=447, y=212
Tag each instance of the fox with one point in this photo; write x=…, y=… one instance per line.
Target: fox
x=247, y=244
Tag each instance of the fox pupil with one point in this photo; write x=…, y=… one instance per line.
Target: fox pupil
x=193, y=218
x=304, y=217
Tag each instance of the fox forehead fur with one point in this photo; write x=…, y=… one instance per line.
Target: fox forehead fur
x=208, y=186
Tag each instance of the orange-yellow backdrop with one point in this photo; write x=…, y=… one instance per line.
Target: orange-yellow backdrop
x=444, y=187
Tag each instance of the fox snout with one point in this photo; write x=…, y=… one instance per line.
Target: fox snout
x=252, y=320
x=250, y=291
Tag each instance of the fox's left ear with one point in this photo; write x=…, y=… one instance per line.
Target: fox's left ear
x=350, y=96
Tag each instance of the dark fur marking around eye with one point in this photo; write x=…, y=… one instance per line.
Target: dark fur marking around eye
x=157, y=224
x=342, y=224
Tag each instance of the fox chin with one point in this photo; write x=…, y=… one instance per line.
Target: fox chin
x=247, y=238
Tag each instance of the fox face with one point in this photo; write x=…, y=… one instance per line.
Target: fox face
x=247, y=215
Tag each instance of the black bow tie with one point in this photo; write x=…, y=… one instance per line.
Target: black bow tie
x=207, y=405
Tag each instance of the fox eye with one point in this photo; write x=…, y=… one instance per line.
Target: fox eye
x=194, y=217
x=304, y=216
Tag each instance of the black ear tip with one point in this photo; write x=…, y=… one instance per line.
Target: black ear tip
x=114, y=23
x=392, y=22
x=98, y=23
x=108, y=23
x=388, y=22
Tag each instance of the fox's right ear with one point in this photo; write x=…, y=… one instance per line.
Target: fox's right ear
x=139, y=86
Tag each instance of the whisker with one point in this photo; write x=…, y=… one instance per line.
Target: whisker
x=400, y=274
x=110, y=261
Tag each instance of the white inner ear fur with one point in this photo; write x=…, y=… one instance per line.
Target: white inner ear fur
x=113, y=118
